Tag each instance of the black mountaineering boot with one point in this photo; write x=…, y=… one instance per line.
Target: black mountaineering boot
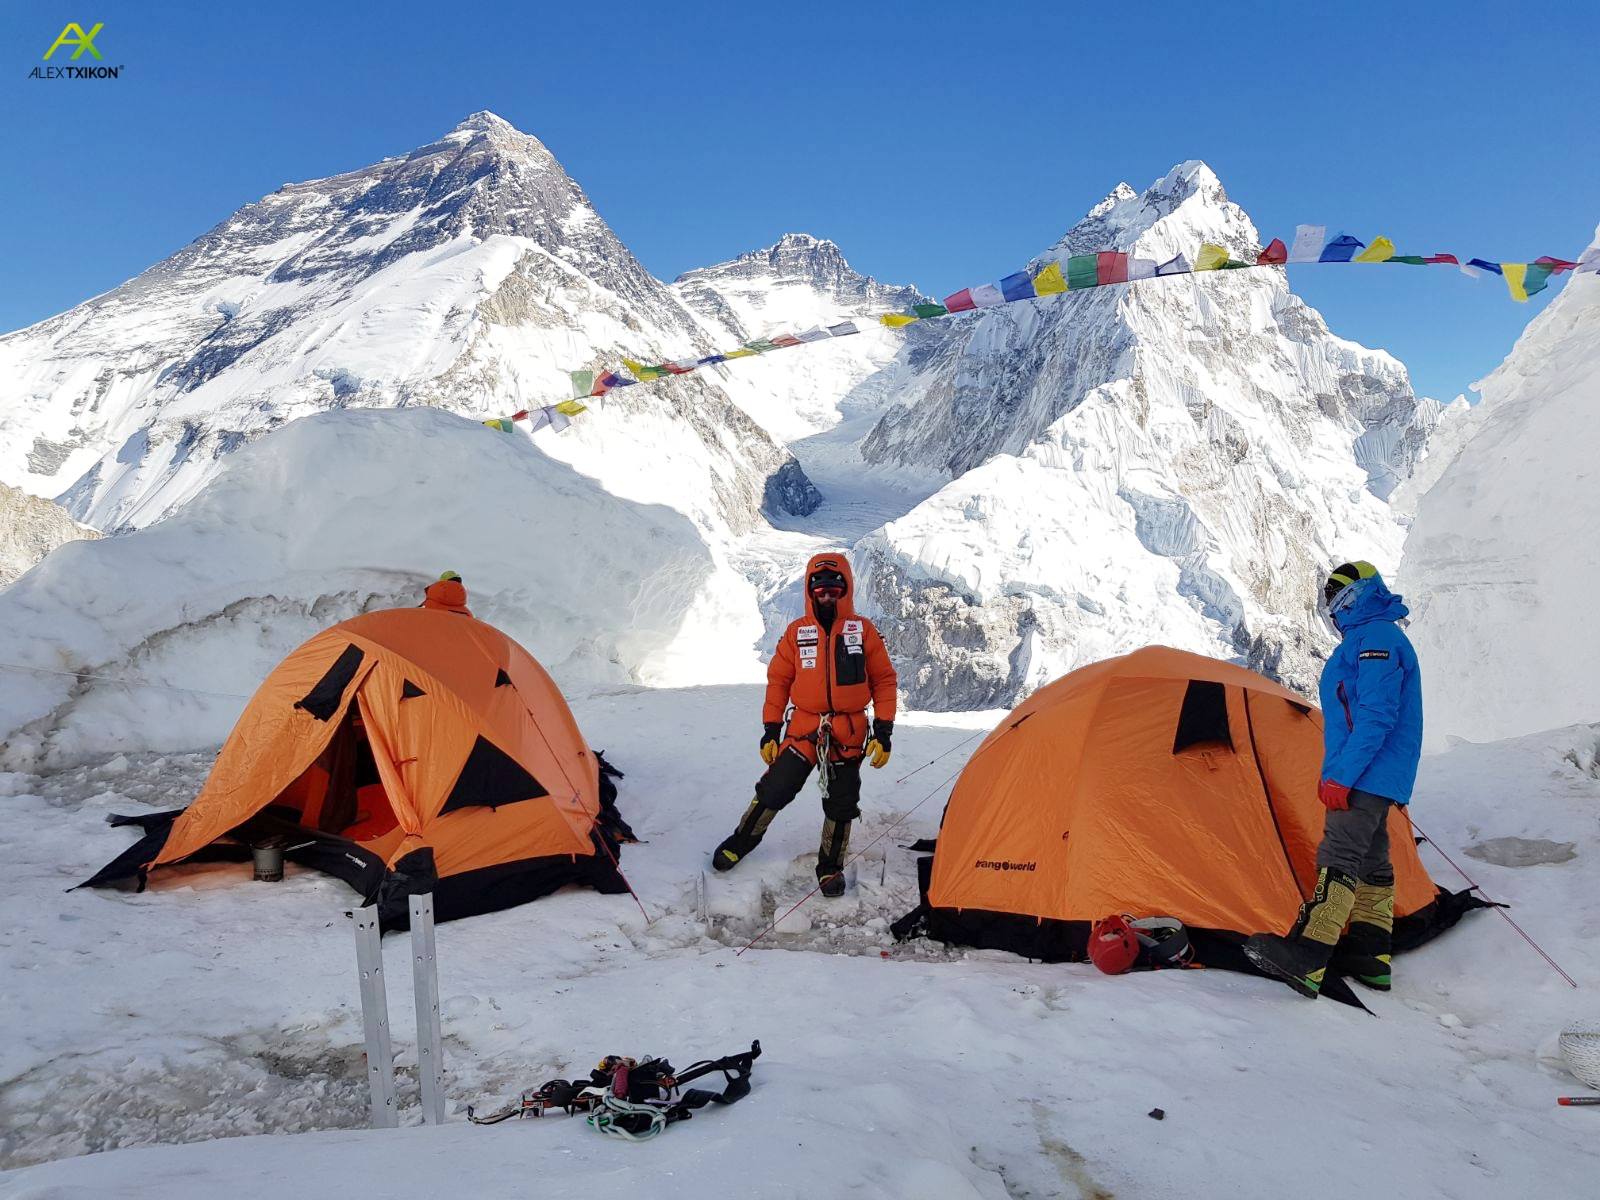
x=831, y=855
x=1301, y=958
x=752, y=828
x=1363, y=953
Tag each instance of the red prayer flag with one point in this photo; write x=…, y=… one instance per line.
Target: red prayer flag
x=673, y=368
x=785, y=339
x=1275, y=254
x=960, y=302
x=1111, y=266
x=1443, y=258
x=520, y=416
x=1556, y=265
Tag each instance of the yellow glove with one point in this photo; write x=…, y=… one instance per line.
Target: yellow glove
x=877, y=747
x=770, y=735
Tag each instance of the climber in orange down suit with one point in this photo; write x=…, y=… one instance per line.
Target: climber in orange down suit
x=830, y=664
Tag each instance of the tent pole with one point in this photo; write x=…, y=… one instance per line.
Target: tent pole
x=375, y=1018
x=425, y=984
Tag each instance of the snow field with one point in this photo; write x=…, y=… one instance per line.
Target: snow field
x=932, y=1072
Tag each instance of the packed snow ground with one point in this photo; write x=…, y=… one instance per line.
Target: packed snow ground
x=213, y=1006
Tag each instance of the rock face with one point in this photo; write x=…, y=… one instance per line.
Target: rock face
x=470, y=274
x=29, y=529
x=1500, y=569
x=1175, y=461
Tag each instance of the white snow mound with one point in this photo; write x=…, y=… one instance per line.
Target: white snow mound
x=1500, y=569
x=338, y=514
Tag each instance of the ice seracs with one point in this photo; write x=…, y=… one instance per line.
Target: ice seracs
x=1500, y=568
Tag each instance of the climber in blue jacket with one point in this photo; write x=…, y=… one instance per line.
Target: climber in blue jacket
x=1371, y=694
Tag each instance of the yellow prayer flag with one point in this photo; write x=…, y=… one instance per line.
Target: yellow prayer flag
x=571, y=408
x=1049, y=281
x=1381, y=250
x=739, y=353
x=1211, y=257
x=896, y=320
x=1517, y=280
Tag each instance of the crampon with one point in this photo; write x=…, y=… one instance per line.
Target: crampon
x=632, y=1099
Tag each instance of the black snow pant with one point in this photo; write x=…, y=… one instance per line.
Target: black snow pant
x=782, y=783
x=1355, y=840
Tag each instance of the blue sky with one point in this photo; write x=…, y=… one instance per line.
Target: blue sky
x=938, y=144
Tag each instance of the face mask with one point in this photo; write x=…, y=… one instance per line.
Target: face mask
x=1329, y=610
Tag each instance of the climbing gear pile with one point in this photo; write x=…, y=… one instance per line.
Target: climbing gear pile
x=633, y=1099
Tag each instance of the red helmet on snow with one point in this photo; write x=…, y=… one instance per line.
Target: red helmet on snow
x=1113, y=945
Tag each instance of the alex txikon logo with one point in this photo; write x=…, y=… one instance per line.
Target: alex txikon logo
x=73, y=36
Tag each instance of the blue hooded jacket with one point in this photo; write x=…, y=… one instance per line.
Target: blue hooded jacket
x=1371, y=694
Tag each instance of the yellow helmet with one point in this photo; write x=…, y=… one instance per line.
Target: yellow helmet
x=449, y=575
x=1343, y=576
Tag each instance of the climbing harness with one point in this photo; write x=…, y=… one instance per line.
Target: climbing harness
x=633, y=1099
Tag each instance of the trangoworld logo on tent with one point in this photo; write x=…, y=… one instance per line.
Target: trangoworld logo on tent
x=989, y=864
x=72, y=35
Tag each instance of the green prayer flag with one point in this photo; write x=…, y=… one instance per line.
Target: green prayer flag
x=925, y=311
x=1411, y=260
x=582, y=382
x=1083, y=271
x=1537, y=279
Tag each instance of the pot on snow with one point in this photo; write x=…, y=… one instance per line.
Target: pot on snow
x=268, y=858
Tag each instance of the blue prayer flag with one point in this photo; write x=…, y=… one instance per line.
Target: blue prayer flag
x=1018, y=286
x=1341, y=249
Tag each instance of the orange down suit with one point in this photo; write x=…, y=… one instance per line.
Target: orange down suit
x=839, y=669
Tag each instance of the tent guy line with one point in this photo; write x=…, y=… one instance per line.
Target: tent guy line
x=1496, y=905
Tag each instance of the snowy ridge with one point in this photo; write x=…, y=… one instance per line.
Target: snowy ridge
x=335, y=515
x=1499, y=568
x=1176, y=461
x=471, y=274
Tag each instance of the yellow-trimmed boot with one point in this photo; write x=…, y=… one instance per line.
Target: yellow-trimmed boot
x=752, y=828
x=1301, y=958
x=1364, y=951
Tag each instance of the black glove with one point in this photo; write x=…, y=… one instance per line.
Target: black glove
x=882, y=733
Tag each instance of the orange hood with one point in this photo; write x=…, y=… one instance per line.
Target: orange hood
x=836, y=561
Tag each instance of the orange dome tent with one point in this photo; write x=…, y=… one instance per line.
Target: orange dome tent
x=400, y=748
x=1160, y=783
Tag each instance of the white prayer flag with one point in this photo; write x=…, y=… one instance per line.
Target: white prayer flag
x=986, y=295
x=1141, y=268
x=1308, y=243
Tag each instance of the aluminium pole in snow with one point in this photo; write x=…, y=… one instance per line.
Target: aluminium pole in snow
x=425, y=985
x=375, y=1019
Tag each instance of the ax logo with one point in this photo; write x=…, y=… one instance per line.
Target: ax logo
x=74, y=38
x=73, y=35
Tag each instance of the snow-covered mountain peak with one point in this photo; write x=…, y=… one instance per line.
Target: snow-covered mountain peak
x=1113, y=198
x=1186, y=206
x=484, y=121
x=471, y=273
x=796, y=260
x=799, y=280
x=1197, y=448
